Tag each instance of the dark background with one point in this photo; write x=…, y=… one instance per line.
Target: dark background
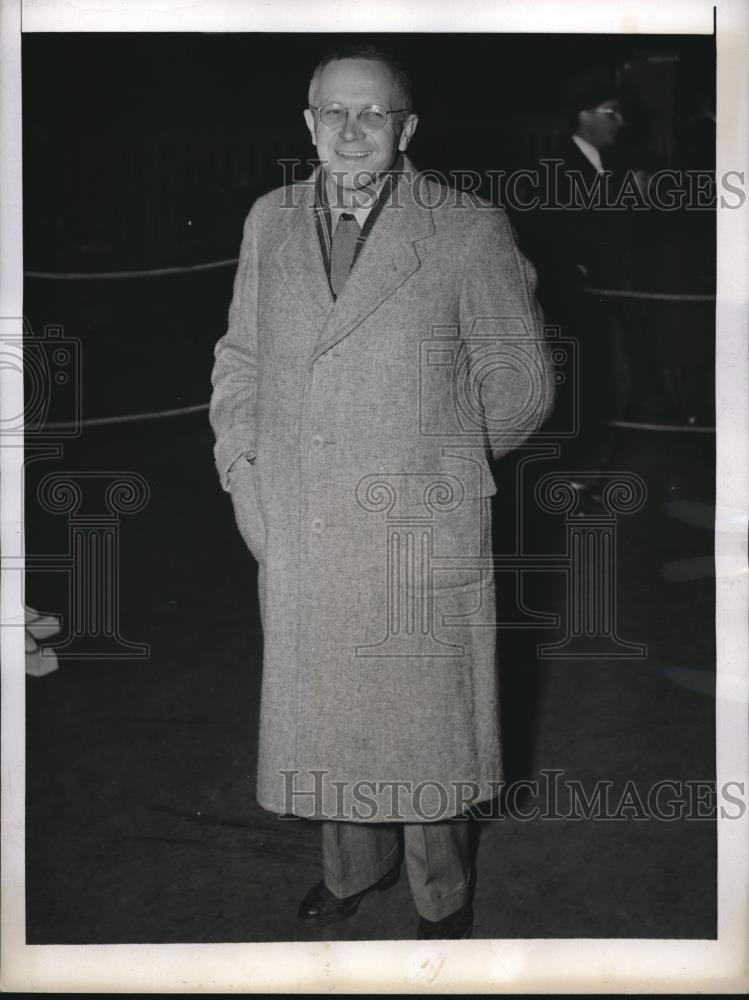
x=152, y=147
x=146, y=151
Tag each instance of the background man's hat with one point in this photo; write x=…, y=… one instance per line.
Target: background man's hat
x=587, y=91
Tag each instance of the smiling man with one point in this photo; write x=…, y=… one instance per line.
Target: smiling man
x=361, y=485
x=359, y=119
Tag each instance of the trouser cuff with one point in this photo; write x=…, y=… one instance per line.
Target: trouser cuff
x=364, y=878
x=439, y=907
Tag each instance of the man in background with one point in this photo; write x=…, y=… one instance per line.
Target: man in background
x=578, y=239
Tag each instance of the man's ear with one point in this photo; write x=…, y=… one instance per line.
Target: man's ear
x=407, y=132
x=310, y=120
x=583, y=122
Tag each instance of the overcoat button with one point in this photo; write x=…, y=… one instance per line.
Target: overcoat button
x=317, y=526
x=317, y=442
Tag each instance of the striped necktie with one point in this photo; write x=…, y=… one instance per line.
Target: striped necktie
x=342, y=251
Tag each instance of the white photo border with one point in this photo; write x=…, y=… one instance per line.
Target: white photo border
x=518, y=966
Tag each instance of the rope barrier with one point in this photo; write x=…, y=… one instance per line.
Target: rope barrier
x=127, y=418
x=201, y=407
x=613, y=293
x=116, y=275
x=159, y=272
x=645, y=426
x=213, y=265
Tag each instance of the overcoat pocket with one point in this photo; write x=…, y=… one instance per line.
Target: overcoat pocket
x=246, y=507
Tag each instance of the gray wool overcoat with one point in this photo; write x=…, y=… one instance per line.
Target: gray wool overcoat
x=366, y=423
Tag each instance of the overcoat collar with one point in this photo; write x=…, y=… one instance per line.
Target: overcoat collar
x=389, y=257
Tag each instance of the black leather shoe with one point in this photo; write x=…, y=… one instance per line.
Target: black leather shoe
x=456, y=925
x=320, y=906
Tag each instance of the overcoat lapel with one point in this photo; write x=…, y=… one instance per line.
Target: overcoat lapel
x=300, y=257
x=389, y=257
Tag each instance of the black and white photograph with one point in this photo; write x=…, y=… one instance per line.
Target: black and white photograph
x=374, y=506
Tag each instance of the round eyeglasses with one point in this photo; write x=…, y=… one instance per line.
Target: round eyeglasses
x=610, y=112
x=371, y=118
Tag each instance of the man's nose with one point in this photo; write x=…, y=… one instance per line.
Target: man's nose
x=351, y=128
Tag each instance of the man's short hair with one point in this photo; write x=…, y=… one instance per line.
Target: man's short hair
x=355, y=50
x=583, y=93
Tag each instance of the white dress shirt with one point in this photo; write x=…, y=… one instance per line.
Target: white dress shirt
x=360, y=213
x=589, y=151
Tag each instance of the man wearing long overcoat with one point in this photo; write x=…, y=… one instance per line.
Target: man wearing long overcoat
x=383, y=341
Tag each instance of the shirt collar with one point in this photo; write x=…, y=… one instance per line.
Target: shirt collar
x=322, y=194
x=589, y=151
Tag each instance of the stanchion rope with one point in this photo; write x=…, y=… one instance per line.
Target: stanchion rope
x=213, y=265
x=646, y=426
x=625, y=293
x=157, y=272
x=201, y=407
x=125, y=418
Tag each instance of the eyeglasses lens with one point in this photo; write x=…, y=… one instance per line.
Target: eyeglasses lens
x=371, y=119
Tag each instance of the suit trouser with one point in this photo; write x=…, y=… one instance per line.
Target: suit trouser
x=356, y=855
x=602, y=386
